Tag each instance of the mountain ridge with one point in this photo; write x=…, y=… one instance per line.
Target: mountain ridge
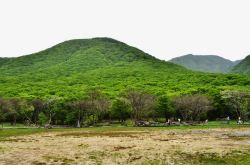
x=205, y=63
x=63, y=52
x=68, y=69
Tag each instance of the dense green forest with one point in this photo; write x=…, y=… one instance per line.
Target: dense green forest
x=205, y=63
x=68, y=72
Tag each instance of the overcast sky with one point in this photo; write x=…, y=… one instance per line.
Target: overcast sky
x=162, y=28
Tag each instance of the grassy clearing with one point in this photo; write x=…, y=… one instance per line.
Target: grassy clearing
x=126, y=145
x=21, y=130
x=202, y=144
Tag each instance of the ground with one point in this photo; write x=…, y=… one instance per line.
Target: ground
x=127, y=145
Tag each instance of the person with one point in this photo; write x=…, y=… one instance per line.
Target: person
x=228, y=120
x=206, y=121
x=239, y=121
x=179, y=120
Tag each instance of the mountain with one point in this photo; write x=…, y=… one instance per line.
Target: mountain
x=243, y=67
x=205, y=63
x=69, y=69
x=3, y=60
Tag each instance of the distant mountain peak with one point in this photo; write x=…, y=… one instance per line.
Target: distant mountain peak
x=205, y=63
x=80, y=55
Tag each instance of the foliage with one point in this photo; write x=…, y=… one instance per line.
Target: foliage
x=43, y=119
x=239, y=101
x=77, y=81
x=164, y=108
x=121, y=109
x=69, y=69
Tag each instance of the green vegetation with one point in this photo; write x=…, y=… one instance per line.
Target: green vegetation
x=236, y=157
x=243, y=67
x=85, y=81
x=205, y=63
x=69, y=69
x=4, y=133
x=113, y=129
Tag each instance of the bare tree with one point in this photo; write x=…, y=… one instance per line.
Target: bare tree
x=103, y=105
x=192, y=107
x=141, y=103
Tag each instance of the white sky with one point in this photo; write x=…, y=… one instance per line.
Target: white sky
x=162, y=28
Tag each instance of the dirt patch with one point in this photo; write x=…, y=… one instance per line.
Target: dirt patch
x=101, y=134
x=211, y=146
x=118, y=148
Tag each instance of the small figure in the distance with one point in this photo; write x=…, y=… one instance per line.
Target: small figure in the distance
x=228, y=120
x=206, y=121
x=239, y=121
x=179, y=120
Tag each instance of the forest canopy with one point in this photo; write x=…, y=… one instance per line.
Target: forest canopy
x=47, y=85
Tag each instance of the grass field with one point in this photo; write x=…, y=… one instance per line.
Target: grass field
x=214, y=143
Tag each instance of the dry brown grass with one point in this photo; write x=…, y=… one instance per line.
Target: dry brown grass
x=122, y=147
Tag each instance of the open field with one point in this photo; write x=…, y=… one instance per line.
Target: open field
x=126, y=145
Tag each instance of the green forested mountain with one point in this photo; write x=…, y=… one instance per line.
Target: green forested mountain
x=3, y=60
x=68, y=69
x=243, y=67
x=205, y=63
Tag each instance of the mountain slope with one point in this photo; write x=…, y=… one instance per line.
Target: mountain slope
x=205, y=63
x=243, y=67
x=77, y=55
x=68, y=69
x=3, y=60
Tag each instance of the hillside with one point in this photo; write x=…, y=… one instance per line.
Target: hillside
x=68, y=69
x=243, y=67
x=3, y=60
x=205, y=63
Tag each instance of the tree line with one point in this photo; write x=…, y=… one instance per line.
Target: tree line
x=95, y=107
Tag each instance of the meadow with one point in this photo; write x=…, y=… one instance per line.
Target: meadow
x=214, y=143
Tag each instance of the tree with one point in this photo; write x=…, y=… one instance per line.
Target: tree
x=141, y=103
x=98, y=104
x=121, y=109
x=3, y=110
x=192, y=107
x=42, y=118
x=50, y=108
x=239, y=101
x=164, y=108
x=81, y=108
x=16, y=105
x=38, y=107
x=26, y=111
